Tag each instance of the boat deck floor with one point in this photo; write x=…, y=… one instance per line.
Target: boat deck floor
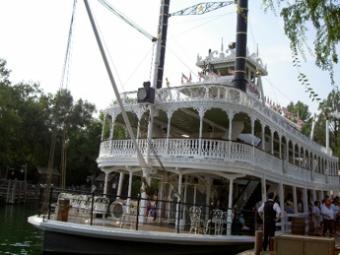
x=148, y=225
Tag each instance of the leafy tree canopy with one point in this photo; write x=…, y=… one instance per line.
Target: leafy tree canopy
x=29, y=117
x=298, y=17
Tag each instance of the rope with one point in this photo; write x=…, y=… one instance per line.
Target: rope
x=214, y=18
x=152, y=59
x=180, y=60
x=139, y=65
x=127, y=20
x=66, y=65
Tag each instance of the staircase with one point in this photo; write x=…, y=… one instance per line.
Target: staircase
x=244, y=196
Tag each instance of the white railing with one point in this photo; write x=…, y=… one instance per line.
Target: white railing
x=216, y=92
x=209, y=149
x=297, y=172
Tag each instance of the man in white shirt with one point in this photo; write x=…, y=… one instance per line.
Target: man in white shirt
x=270, y=212
x=328, y=215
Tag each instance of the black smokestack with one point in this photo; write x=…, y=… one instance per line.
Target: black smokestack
x=162, y=32
x=240, y=81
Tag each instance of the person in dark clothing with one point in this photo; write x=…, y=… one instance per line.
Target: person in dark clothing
x=270, y=212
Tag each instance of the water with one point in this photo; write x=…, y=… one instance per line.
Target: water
x=16, y=235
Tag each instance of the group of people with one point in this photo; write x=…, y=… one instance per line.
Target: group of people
x=325, y=216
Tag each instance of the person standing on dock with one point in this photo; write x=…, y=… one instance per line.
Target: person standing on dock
x=328, y=215
x=270, y=212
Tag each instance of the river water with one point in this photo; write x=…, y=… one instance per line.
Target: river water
x=16, y=235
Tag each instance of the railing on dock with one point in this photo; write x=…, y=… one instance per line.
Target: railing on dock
x=16, y=191
x=138, y=213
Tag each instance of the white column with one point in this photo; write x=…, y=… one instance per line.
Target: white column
x=138, y=129
x=130, y=183
x=129, y=191
x=280, y=149
x=294, y=199
x=314, y=198
x=201, y=115
x=207, y=199
x=230, y=207
x=293, y=153
x=144, y=197
x=322, y=194
x=168, y=131
x=160, y=197
x=120, y=184
x=263, y=127
x=230, y=130
x=282, y=205
x=287, y=149
x=271, y=142
x=305, y=201
x=179, y=191
x=252, y=124
x=111, y=131
x=103, y=128
x=263, y=189
x=106, y=180
x=112, y=127
x=185, y=198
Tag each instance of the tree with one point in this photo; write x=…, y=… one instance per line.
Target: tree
x=330, y=105
x=301, y=112
x=4, y=72
x=29, y=119
x=324, y=17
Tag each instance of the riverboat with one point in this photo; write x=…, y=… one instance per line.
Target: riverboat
x=214, y=148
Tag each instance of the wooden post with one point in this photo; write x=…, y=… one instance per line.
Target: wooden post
x=258, y=242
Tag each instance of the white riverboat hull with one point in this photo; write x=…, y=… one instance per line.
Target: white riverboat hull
x=73, y=238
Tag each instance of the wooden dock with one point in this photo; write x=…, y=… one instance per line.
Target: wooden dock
x=313, y=239
x=16, y=191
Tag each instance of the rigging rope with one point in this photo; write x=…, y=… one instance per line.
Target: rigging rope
x=152, y=59
x=66, y=65
x=127, y=20
x=214, y=18
x=139, y=65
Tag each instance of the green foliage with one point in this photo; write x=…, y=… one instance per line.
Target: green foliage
x=4, y=72
x=324, y=17
x=301, y=111
x=330, y=105
x=28, y=118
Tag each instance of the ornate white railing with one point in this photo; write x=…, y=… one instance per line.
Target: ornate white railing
x=216, y=92
x=209, y=149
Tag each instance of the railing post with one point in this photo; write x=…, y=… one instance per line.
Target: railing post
x=92, y=204
x=137, y=219
x=49, y=203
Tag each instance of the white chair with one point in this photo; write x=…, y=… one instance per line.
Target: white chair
x=100, y=205
x=195, y=219
x=216, y=221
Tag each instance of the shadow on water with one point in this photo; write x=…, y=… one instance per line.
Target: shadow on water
x=16, y=235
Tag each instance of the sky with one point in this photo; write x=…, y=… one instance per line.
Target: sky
x=34, y=36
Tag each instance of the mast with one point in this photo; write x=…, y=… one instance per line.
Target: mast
x=239, y=80
x=114, y=86
x=158, y=69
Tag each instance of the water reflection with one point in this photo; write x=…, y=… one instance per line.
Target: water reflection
x=16, y=235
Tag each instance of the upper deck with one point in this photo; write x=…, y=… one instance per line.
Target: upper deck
x=209, y=125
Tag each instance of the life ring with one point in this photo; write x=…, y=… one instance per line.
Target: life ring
x=117, y=209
